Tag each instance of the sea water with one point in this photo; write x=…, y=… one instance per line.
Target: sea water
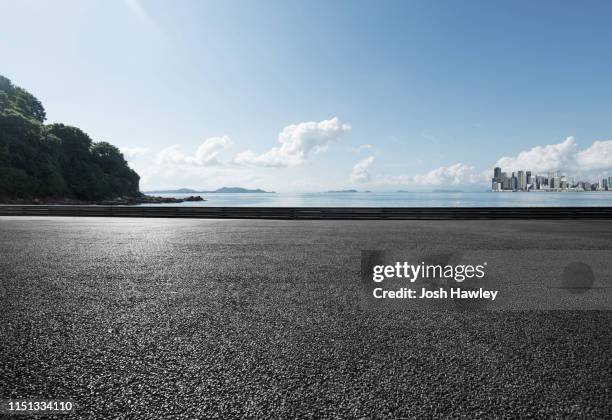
x=400, y=199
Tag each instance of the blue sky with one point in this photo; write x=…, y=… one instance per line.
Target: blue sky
x=316, y=95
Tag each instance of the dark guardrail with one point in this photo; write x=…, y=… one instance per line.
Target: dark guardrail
x=312, y=213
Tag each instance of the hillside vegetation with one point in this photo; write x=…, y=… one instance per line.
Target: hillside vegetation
x=39, y=160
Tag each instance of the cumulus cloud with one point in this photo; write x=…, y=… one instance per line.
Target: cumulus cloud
x=205, y=155
x=171, y=155
x=564, y=157
x=133, y=152
x=598, y=157
x=361, y=171
x=456, y=174
x=296, y=142
x=542, y=158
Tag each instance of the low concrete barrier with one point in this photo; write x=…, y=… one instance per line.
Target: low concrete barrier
x=312, y=213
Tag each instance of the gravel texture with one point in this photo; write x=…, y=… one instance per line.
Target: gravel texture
x=137, y=318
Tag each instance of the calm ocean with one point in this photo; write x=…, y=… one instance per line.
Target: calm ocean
x=409, y=199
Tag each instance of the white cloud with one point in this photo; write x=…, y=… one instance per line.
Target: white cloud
x=205, y=155
x=457, y=174
x=208, y=151
x=171, y=155
x=453, y=175
x=360, y=172
x=133, y=152
x=552, y=157
x=297, y=141
x=598, y=157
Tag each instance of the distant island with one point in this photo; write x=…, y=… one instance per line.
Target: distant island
x=59, y=164
x=226, y=190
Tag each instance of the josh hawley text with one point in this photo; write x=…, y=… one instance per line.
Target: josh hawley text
x=411, y=272
x=453, y=293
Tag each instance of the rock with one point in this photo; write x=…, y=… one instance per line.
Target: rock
x=117, y=201
x=194, y=198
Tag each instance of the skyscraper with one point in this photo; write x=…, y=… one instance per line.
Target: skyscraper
x=522, y=181
x=496, y=182
x=505, y=181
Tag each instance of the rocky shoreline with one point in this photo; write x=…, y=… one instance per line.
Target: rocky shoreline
x=119, y=201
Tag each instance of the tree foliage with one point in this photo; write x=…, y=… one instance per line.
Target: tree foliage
x=56, y=160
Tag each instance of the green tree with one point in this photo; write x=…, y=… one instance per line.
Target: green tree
x=56, y=160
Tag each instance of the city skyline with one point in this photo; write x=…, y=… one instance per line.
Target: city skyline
x=524, y=180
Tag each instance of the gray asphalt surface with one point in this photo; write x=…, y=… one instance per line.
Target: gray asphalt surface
x=138, y=318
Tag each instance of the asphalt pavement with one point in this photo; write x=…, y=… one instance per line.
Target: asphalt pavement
x=153, y=318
